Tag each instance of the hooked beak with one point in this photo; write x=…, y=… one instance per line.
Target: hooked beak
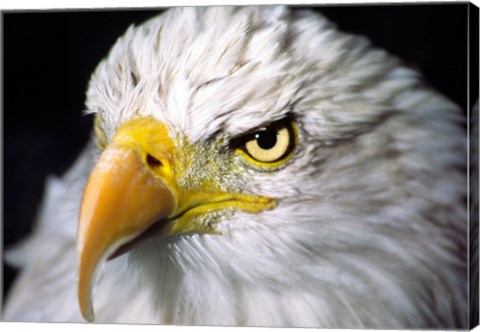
x=121, y=200
x=132, y=189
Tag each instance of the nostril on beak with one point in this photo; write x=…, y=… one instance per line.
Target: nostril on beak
x=153, y=162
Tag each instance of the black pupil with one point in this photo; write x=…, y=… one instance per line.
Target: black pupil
x=266, y=139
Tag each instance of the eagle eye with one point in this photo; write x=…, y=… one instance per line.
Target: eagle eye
x=269, y=145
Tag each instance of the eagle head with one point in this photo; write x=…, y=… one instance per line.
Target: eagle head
x=258, y=167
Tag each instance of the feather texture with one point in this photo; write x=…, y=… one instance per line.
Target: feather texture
x=370, y=229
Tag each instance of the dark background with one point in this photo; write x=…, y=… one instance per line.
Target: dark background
x=49, y=56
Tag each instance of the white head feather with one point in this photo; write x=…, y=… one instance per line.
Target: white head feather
x=370, y=229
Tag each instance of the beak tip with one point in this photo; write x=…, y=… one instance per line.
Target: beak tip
x=87, y=311
x=85, y=296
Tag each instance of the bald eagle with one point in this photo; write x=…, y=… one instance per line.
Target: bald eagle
x=254, y=166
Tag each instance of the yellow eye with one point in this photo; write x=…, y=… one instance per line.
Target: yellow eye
x=271, y=144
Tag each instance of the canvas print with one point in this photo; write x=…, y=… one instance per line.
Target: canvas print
x=241, y=166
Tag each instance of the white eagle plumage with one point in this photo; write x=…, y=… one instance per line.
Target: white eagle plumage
x=370, y=228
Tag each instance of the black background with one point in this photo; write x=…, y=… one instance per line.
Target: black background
x=49, y=56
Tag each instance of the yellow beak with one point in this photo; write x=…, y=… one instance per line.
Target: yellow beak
x=122, y=199
x=133, y=188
